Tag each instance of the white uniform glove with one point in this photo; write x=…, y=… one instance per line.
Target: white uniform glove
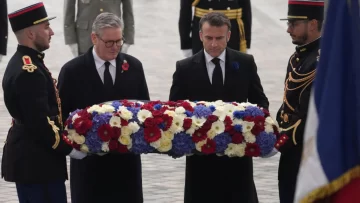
x=187, y=52
x=124, y=48
x=1, y=57
x=272, y=153
x=75, y=154
x=74, y=49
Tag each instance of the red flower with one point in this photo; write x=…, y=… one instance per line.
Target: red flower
x=199, y=135
x=167, y=121
x=113, y=145
x=84, y=114
x=266, y=112
x=158, y=120
x=252, y=150
x=187, y=106
x=125, y=66
x=187, y=123
x=149, y=122
x=234, y=103
x=116, y=133
x=209, y=147
x=122, y=149
x=157, y=113
x=124, y=122
x=248, y=119
x=237, y=138
x=152, y=134
x=105, y=132
x=228, y=120
x=148, y=107
x=76, y=146
x=170, y=103
x=82, y=125
x=212, y=118
x=229, y=129
x=259, y=125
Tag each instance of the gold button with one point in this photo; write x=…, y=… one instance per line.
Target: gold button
x=101, y=10
x=228, y=8
x=5, y=37
x=297, y=59
x=210, y=9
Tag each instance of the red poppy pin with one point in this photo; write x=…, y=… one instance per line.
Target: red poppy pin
x=125, y=66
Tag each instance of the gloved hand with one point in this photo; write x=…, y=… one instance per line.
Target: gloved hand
x=75, y=154
x=1, y=57
x=187, y=52
x=124, y=48
x=272, y=153
x=74, y=49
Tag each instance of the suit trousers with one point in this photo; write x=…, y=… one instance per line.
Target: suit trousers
x=53, y=192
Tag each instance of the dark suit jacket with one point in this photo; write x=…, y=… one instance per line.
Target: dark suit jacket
x=211, y=178
x=111, y=177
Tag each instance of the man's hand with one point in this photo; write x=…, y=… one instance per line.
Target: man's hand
x=124, y=48
x=187, y=52
x=74, y=49
x=75, y=154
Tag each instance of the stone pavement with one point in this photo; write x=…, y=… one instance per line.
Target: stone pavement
x=157, y=46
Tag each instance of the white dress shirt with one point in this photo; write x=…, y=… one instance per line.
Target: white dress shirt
x=211, y=66
x=100, y=66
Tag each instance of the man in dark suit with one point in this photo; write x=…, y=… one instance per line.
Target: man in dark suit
x=218, y=73
x=4, y=28
x=34, y=154
x=104, y=74
x=238, y=11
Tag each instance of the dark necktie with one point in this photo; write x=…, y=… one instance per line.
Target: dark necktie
x=217, y=78
x=108, y=82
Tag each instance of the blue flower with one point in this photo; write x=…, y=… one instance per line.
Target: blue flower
x=134, y=111
x=93, y=142
x=139, y=145
x=202, y=111
x=212, y=108
x=116, y=105
x=238, y=128
x=266, y=142
x=239, y=114
x=99, y=120
x=222, y=140
x=182, y=144
x=157, y=106
x=235, y=65
x=188, y=113
x=253, y=111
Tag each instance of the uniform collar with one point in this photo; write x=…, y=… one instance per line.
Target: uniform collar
x=309, y=47
x=31, y=52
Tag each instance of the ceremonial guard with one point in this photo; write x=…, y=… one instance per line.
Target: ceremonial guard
x=34, y=155
x=304, y=26
x=79, y=16
x=4, y=28
x=238, y=11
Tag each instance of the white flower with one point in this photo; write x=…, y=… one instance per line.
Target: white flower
x=198, y=122
x=105, y=147
x=107, y=108
x=219, y=103
x=177, y=125
x=167, y=134
x=93, y=108
x=75, y=117
x=125, y=140
x=237, y=122
x=239, y=107
x=247, y=126
x=220, y=113
x=126, y=131
x=155, y=144
x=78, y=139
x=249, y=137
x=211, y=134
x=218, y=127
x=200, y=144
x=269, y=128
x=191, y=130
x=246, y=104
x=143, y=115
x=180, y=110
x=84, y=148
x=133, y=126
x=235, y=150
x=165, y=145
x=125, y=113
x=115, y=121
x=170, y=113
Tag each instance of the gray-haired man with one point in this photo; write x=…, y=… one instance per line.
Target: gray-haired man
x=77, y=23
x=92, y=78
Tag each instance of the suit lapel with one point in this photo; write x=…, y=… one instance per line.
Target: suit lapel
x=230, y=70
x=119, y=61
x=91, y=68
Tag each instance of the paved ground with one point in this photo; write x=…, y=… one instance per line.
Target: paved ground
x=157, y=46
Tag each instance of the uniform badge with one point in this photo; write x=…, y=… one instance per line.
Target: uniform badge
x=28, y=65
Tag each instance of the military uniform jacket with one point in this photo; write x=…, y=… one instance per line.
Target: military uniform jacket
x=34, y=151
x=4, y=27
x=77, y=29
x=293, y=112
x=189, y=28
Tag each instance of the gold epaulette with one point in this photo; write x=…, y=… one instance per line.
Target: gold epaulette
x=28, y=65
